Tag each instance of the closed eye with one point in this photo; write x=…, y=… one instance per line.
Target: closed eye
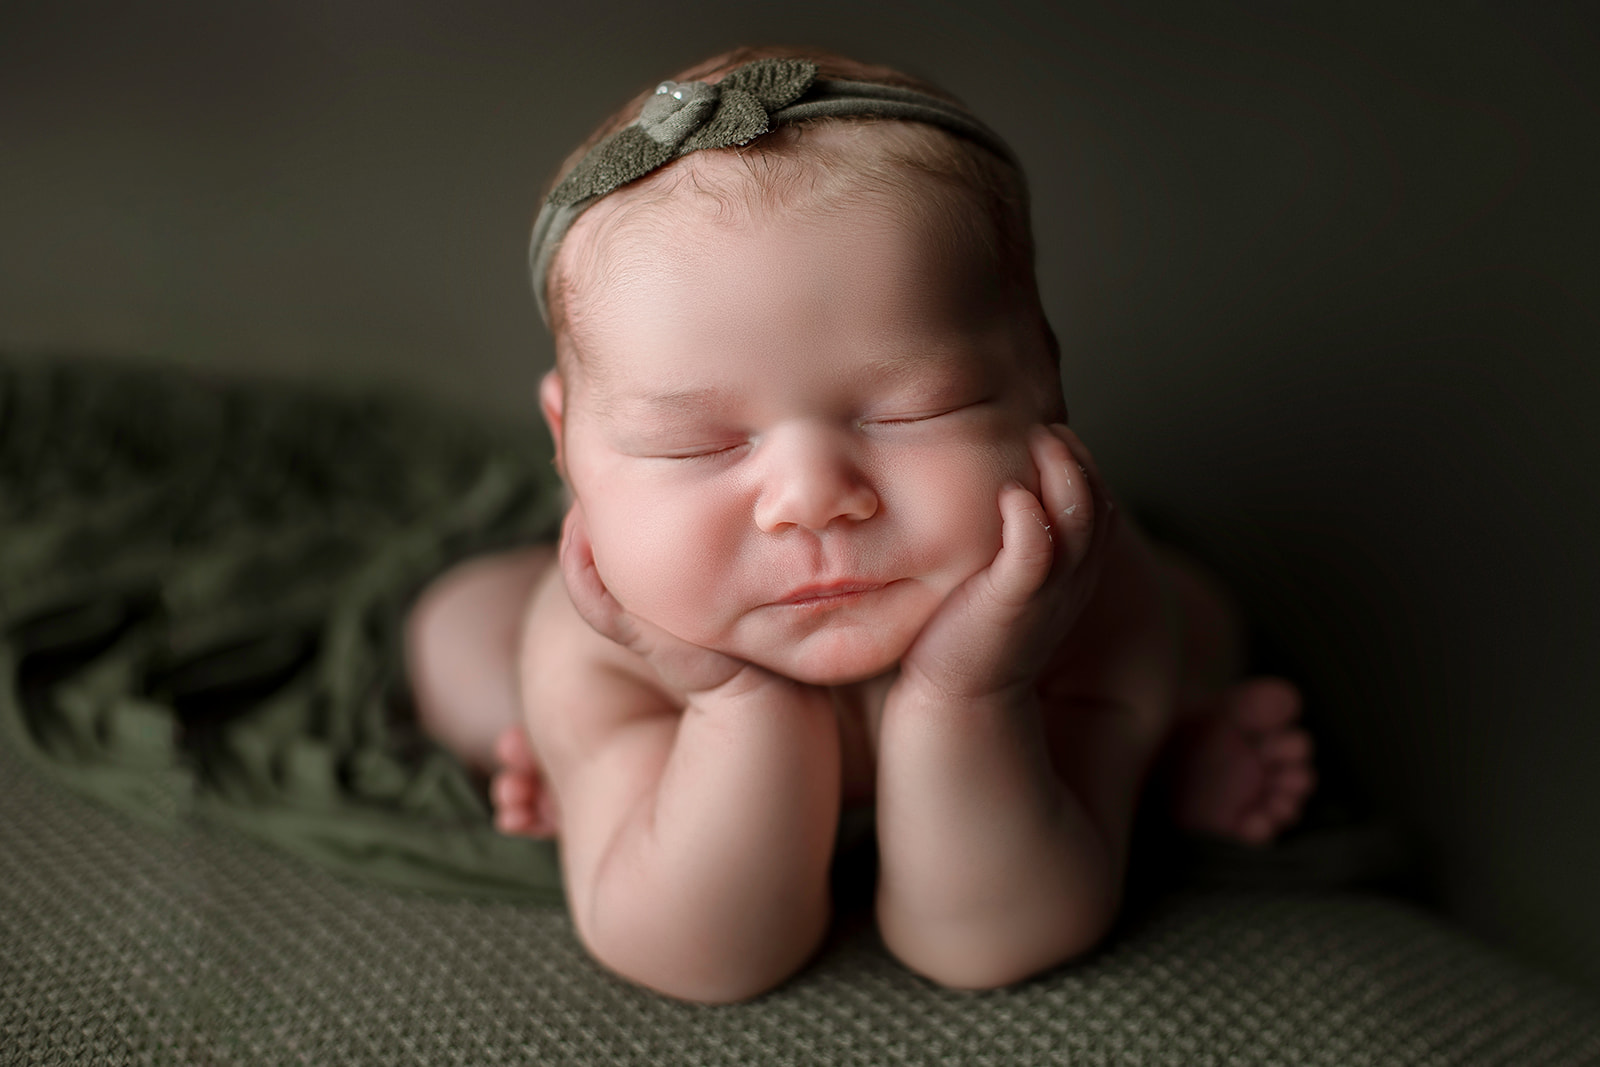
x=702, y=453
x=920, y=416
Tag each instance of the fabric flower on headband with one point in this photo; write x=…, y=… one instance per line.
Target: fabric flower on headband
x=685, y=117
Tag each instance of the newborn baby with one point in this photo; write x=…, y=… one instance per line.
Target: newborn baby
x=830, y=543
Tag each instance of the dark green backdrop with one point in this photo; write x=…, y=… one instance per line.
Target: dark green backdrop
x=1325, y=275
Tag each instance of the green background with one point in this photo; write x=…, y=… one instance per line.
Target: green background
x=1325, y=276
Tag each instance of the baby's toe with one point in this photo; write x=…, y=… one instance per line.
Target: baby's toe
x=1262, y=705
x=1257, y=827
x=513, y=821
x=514, y=752
x=511, y=789
x=522, y=804
x=1284, y=808
x=1287, y=749
x=1296, y=781
x=1265, y=705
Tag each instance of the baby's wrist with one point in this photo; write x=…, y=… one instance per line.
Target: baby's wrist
x=920, y=693
x=749, y=687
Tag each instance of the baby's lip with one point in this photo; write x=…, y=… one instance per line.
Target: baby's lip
x=819, y=593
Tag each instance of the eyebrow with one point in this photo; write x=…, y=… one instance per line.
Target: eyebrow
x=896, y=365
x=666, y=401
x=701, y=397
x=910, y=362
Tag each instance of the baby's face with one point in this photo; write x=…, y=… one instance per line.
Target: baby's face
x=788, y=432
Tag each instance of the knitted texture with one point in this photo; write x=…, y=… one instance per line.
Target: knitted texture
x=129, y=944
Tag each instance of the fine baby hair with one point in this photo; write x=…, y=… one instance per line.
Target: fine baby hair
x=888, y=135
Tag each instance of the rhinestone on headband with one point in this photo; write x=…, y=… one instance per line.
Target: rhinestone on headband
x=683, y=117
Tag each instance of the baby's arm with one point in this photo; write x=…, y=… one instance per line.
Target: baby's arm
x=695, y=841
x=991, y=870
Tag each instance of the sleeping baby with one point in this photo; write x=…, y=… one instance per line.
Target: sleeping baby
x=830, y=544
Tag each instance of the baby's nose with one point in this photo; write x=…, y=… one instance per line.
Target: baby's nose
x=812, y=477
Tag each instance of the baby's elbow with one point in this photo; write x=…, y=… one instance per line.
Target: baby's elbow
x=986, y=957
x=726, y=987
x=976, y=971
x=709, y=964
x=696, y=975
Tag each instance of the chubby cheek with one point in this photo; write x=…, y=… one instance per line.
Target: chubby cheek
x=953, y=494
x=662, y=554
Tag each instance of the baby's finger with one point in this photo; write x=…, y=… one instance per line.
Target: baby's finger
x=1027, y=549
x=585, y=588
x=1068, y=499
x=1103, y=507
x=678, y=662
x=977, y=642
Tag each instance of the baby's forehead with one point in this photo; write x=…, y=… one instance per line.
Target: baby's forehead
x=873, y=281
x=714, y=196
x=892, y=170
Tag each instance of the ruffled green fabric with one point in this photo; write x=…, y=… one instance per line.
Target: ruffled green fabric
x=202, y=587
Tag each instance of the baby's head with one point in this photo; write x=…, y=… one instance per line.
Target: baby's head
x=793, y=375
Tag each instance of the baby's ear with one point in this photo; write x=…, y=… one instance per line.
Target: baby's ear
x=552, y=402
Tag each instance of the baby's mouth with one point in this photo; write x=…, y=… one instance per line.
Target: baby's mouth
x=828, y=594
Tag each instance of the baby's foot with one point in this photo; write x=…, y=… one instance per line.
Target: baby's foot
x=1244, y=771
x=523, y=806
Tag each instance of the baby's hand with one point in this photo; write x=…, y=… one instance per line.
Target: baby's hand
x=679, y=664
x=995, y=632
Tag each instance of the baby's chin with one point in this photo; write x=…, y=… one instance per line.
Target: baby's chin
x=829, y=677
x=844, y=664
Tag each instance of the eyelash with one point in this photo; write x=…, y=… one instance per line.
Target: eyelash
x=910, y=419
x=904, y=420
x=711, y=454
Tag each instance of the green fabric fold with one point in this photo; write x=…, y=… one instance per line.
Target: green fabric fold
x=202, y=590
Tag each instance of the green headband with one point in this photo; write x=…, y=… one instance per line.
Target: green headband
x=684, y=117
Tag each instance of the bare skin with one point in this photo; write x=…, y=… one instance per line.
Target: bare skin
x=1242, y=770
x=838, y=551
x=1242, y=766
